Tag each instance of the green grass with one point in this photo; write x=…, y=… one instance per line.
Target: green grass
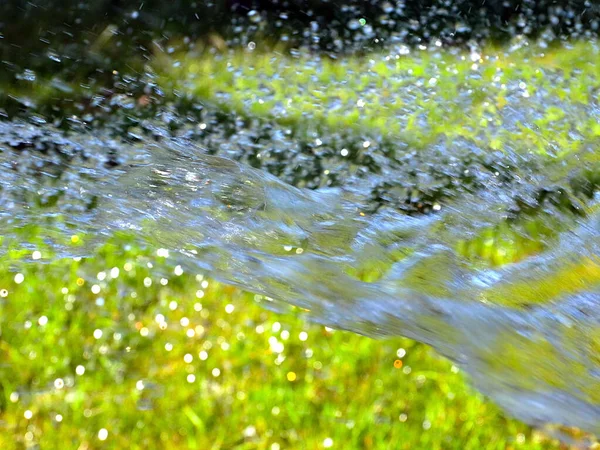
x=494, y=97
x=83, y=350
x=273, y=389
x=530, y=98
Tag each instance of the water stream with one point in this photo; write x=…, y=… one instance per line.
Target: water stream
x=527, y=332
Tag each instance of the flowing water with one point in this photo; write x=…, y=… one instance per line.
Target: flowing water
x=527, y=332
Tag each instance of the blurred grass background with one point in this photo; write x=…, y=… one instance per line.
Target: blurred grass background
x=125, y=350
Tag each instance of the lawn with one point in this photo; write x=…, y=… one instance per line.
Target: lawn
x=124, y=349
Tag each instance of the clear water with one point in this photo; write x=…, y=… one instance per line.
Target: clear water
x=528, y=333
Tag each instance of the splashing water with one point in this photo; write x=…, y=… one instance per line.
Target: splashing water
x=533, y=348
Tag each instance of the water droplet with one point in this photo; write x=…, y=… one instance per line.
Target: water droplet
x=353, y=24
x=254, y=16
x=103, y=434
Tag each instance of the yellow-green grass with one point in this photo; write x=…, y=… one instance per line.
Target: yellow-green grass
x=532, y=98
x=126, y=348
x=526, y=97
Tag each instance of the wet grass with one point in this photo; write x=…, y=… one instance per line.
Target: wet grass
x=127, y=350
x=145, y=357
x=529, y=97
x=314, y=121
